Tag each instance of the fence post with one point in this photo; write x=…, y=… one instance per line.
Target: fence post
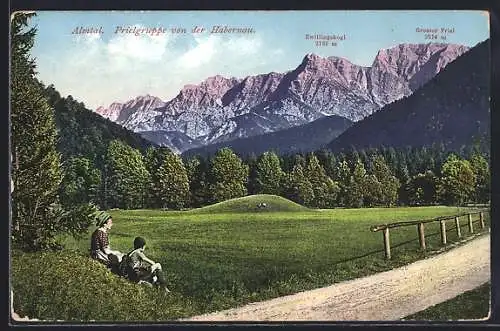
x=457, y=224
x=387, y=244
x=471, y=228
x=481, y=220
x=443, y=232
x=421, y=235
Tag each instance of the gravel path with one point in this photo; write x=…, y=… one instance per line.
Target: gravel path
x=389, y=295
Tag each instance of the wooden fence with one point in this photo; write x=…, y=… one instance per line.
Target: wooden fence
x=421, y=228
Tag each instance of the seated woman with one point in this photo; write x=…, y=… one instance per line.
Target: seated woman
x=99, y=243
x=141, y=268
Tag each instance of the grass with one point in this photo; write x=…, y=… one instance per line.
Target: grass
x=470, y=305
x=229, y=254
x=66, y=286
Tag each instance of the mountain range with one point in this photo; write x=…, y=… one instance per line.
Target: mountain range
x=220, y=109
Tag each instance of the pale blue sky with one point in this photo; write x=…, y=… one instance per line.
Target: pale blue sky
x=112, y=67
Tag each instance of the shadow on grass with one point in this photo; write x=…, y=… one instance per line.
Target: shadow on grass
x=416, y=240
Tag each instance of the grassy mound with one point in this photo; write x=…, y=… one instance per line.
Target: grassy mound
x=249, y=204
x=273, y=203
x=68, y=286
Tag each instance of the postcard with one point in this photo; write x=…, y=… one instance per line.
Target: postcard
x=257, y=166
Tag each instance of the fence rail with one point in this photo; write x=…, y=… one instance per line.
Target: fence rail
x=421, y=228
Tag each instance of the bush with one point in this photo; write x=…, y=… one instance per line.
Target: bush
x=67, y=286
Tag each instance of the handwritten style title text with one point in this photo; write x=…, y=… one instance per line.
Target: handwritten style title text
x=156, y=31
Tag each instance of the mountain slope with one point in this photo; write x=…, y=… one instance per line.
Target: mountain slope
x=453, y=108
x=175, y=140
x=304, y=138
x=83, y=133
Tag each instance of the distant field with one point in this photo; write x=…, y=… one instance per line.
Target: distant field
x=233, y=253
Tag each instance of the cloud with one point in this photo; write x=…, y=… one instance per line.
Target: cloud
x=99, y=71
x=202, y=53
x=208, y=49
x=87, y=39
x=244, y=46
x=215, y=55
x=144, y=47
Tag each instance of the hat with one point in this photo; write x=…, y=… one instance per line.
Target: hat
x=101, y=218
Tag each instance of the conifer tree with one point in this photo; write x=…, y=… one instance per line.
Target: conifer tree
x=388, y=187
x=153, y=160
x=269, y=175
x=297, y=186
x=457, y=183
x=81, y=182
x=355, y=191
x=481, y=170
x=127, y=179
x=325, y=190
x=252, y=186
x=228, y=176
x=421, y=189
x=37, y=215
x=197, y=169
x=173, y=182
x=343, y=177
x=328, y=162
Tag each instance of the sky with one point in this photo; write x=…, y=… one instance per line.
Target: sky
x=115, y=66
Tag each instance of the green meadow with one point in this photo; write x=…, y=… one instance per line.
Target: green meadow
x=221, y=256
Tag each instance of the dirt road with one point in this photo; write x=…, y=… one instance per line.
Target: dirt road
x=389, y=295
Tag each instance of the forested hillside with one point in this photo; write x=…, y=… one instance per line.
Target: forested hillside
x=84, y=133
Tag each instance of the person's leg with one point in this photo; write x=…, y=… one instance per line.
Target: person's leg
x=114, y=263
x=161, y=279
x=145, y=275
x=101, y=257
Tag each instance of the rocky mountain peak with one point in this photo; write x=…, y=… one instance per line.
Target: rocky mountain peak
x=112, y=112
x=403, y=53
x=214, y=86
x=144, y=103
x=115, y=106
x=252, y=90
x=313, y=62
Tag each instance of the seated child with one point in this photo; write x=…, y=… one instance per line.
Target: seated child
x=140, y=268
